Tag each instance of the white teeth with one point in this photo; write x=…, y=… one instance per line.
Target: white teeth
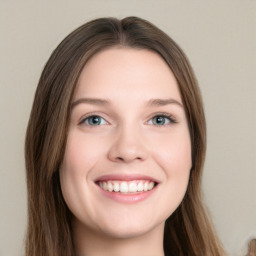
x=140, y=186
x=110, y=187
x=126, y=187
x=145, y=186
x=133, y=187
x=116, y=187
x=150, y=185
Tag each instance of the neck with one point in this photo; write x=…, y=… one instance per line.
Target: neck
x=91, y=243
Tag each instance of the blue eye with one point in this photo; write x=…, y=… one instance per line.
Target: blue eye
x=94, y=120
x=160, y=120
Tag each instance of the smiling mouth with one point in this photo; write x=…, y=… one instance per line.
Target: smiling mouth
x=127, y=187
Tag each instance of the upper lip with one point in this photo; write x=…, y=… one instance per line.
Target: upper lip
x=125, y=177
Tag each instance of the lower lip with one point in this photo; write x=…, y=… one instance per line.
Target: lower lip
x=128, y=198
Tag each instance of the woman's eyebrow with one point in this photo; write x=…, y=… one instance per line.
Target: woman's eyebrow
x=104, y=102
x=163, y=102
x=93, y=101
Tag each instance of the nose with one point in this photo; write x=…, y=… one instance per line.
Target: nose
x=128, y=146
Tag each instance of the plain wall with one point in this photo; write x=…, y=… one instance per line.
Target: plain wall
x=219, y=39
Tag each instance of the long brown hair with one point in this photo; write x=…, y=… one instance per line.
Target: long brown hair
x=252, y=248
x=188, y=231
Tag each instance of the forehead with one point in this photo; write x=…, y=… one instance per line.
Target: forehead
x=135, y=72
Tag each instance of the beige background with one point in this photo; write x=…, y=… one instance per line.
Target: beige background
x=219, y=39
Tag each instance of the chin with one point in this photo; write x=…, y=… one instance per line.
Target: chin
x=129, y=227
x=127, y=232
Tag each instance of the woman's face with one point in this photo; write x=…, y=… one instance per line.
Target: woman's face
x=128, y=154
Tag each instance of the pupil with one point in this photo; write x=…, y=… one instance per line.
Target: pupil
x=160, y=120
x=95, y=120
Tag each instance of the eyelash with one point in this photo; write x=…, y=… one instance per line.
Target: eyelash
x=170, y=118
x=86, y=118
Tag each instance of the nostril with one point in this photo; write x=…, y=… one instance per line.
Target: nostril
x=123, y=159
x=119, y=159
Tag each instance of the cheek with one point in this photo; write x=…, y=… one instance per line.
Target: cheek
x=173, y=154
x=79, y=159
x=71, y=175
x=174, y=158
x=81, y=152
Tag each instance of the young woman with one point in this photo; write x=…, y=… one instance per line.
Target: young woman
x=115, y=148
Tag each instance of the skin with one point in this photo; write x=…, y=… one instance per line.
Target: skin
x=126, y=141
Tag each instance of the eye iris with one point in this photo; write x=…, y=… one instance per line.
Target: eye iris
x=94, y=120
x=159, y=120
